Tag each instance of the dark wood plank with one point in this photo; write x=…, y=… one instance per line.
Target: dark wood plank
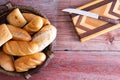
x=83, y=66
x=69, y=65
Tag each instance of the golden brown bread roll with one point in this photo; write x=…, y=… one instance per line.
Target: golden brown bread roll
x=16, y=18
x=45, y=36
x=30, y=16
x=20, y=48
x=18, y=33
x=5, y=34
x=28, y=62
x=6, y=61
x=46, y=22
x=34, y=25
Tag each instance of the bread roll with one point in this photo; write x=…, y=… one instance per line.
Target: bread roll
x=45, y=36
x=5, y=34
x=34, y=25
x=6, y=62
x=19, y=34
x=30, y=16
x=20, y=48
x=16, y=18
x=28, y=62
x=46, y=22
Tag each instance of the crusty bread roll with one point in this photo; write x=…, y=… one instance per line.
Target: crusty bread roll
x=30, y=16
x=6, y=61
x=45, y=36
x=34, y=25
x=28, y=62
x=5, y=34
x=18, y=33
x=46, y=22
x=16, y=18
x=20, y=48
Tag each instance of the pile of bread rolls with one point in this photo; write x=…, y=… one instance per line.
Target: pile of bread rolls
x=25, y=36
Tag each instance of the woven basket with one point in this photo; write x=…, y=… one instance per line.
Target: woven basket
x=4, y=11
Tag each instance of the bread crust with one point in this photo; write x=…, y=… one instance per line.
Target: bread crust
x=5, y=34
x=16, y=18
x=34, y=25
x=45, y=37
x=19, y=34
x=28, y=62
x=20, y=48
x=30, y=16
x=6, y=61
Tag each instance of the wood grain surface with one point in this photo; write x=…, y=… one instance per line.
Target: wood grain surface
x=95, y=59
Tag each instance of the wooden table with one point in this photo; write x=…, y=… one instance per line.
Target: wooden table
x=96, y=59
